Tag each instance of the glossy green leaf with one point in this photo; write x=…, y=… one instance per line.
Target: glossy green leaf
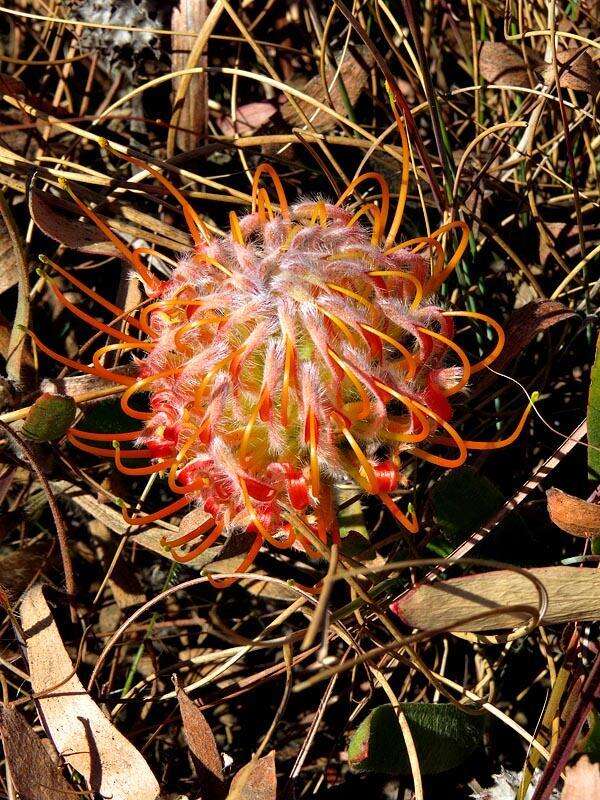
x=462, y=501
x=49, y=418
x=443, y=735
x=107, y=416
x=593, y=418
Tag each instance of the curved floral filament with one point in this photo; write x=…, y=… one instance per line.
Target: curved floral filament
x=315, y=472
x=141, y=386
x=339, y=324
x=281, y=544
x=493, y=324
x=402, y=195
x=190, y=555
x=147, y=470
x=146, y=519
x=377, y=226
x=497, y=444
x=353, y=295
x=205, y=526
x=466, y=365
x=133, y=259
x=236, y=231
x=111, y=348
x=248, y=432
x=283, y=203
x=385, y=194
x=216, y=264
x=288, y=369
x=106, y=452
x=265, y=208
x=192, y=219
x=177, y=303
x=454, y=435
x=365, y=403
x=224, y=583
x=365, y=465
x=204, y=384
x=407, y=276
x=436, y=280
x=106, y=374
x=455, y=438
x=319, y=213
x=410, y=523
x=97, y=298
x=92, y=321
x=397, y=433
x=193, y=326
x=410, y=360
x=128, y=436
x=184, y=488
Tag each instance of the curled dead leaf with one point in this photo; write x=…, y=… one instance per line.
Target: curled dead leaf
x=525, y=324
x=81, y=733
x=573, y=515
x=573, y=594
x=354, y=76
x=248, y=119
x=58, y=219
x=503, y=64
x=576, y=70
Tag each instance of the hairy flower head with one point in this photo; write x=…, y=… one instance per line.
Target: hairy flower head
x=301, y=349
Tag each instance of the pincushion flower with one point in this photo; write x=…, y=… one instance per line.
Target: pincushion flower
x=299, y=349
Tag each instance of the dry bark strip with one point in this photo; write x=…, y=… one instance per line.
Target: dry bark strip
x=573, y=594
x=81, y=733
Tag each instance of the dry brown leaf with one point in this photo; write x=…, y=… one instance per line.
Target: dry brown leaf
x=526, y=323
x=256, y=781
x=503, y=64
x=34, y=775
x=203, y=747
x=573, y=594
x=9, y=232
x=248, y=119
x=9, y=273
x=573, y=515
x=564, y=238
x=576, y=71
x=81, y=733
x=19, y=568
x=355, y=78
x=582, y=781
x=54, y=216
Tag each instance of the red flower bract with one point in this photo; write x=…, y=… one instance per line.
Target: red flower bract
x=301, y=349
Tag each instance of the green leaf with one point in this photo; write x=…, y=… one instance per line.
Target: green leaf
x=463, y=500
x=591, y=745
x=49, y=418
x=107, y=416
x=593, y=418
x=443, y=735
